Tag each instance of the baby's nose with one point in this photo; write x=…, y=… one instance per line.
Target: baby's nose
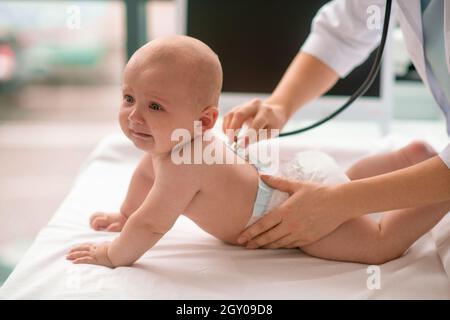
x=135, y=117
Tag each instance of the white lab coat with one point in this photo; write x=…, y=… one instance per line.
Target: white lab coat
x=341, y=39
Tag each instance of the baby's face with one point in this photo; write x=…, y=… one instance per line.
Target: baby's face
x=155, y=102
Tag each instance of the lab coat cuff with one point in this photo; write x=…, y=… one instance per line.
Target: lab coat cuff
x=332, y=52
x=445, y=156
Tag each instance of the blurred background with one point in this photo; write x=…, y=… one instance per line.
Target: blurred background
x=60, y=92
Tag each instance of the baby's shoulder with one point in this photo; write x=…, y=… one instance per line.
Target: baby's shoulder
x=180, y=173
x=204, y=172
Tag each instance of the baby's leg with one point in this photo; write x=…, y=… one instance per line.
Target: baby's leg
x=409, y=155
x=140, y=185
x=363, y=240
x=366, y=241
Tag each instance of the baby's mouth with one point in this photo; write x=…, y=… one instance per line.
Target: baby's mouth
x=140, y=135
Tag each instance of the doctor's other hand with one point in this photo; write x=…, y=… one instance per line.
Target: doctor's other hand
x=257, y=114
x=311, y=212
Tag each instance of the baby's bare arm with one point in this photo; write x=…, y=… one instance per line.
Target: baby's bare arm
x=173, y=189
x=139, y=187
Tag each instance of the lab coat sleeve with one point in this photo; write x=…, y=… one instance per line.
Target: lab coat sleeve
x=445, y=155
x=343, y=32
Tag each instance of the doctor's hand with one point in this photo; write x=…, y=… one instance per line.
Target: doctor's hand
x=311, y=212
x=257, y=115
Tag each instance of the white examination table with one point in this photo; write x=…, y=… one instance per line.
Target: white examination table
x=190, y=264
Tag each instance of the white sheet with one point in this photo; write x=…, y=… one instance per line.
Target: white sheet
x=190, y=264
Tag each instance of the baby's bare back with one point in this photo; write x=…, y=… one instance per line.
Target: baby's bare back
x=224, y=203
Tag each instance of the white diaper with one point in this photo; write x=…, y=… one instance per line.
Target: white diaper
x=312, y=166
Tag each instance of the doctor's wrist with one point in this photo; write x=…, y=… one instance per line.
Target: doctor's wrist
x=346, y=203
x=281, y=109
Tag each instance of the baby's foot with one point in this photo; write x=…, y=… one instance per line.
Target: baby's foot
x=416, y=152
x=112, y=222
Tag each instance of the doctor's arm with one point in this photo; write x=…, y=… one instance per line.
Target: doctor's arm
x=313, y=211
x=306, y=79
x=340, y=39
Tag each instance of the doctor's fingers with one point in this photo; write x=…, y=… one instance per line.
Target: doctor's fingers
x=240, y=114
x=287, y=241
x=272, y=235
x=267, y=222
x=260, y=122
x=281, y=183
x=262, y=117
x=266, y=117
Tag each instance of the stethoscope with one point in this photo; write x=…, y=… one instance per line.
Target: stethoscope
x=363, y=88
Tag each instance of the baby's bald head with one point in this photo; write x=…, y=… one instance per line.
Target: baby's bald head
x=188, y=62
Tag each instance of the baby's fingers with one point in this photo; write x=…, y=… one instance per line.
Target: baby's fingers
x=100, y=222
x=84, y=260
x=114, y=227
x=77, y=254
x=83, y=247
x=95, y=215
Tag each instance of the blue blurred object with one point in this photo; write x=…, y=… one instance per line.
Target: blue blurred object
x=4, y=272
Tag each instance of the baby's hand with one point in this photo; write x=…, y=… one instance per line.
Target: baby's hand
x=113, y=222
x=91, y=254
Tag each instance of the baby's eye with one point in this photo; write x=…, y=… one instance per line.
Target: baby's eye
x=128, y=99
x=155, y=106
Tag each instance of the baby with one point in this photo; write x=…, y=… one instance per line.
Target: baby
x=169, y=84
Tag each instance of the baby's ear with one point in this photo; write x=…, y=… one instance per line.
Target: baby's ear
x=208, y=117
